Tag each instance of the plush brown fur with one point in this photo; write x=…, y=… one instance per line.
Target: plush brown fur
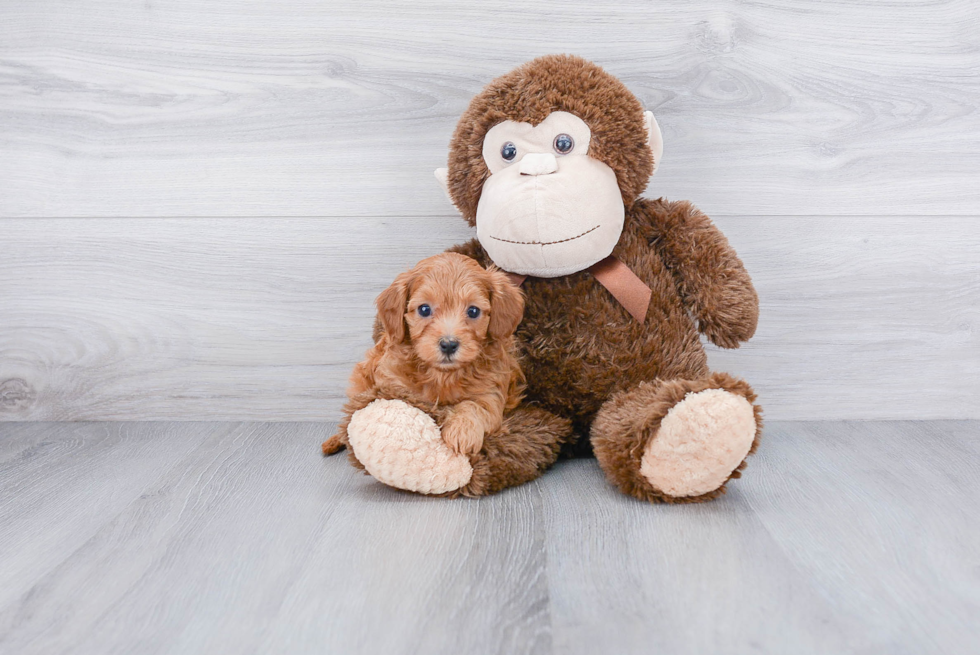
x=583, y=354
x=575, y=358
x=468, y=391
x=524, y=447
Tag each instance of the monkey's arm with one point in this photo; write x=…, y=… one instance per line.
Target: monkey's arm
x=714, y=284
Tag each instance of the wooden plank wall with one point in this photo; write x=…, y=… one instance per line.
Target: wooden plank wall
x=199, y=201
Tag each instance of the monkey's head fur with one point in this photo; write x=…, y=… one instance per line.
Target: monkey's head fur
x=545, y=160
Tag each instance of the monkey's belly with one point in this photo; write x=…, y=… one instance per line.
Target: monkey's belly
x=574, y=363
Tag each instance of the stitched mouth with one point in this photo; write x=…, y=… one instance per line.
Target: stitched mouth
x=545, y=243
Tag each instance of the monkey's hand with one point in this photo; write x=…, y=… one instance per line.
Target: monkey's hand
x=713, y=283
x=464, y=430
x=728, y=312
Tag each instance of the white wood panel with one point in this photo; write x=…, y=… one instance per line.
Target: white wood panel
x=309, y=108
x=263, y=319
x=862, y=318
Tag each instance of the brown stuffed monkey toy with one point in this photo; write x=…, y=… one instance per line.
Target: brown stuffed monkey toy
x=548, y=163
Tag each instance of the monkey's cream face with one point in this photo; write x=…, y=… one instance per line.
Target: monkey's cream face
x=548, y=208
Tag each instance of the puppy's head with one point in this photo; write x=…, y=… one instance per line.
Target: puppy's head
x=449, y=307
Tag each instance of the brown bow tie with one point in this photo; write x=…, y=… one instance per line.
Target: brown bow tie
x=620, y=281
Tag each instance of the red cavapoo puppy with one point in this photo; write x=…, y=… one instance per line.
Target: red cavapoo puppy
x=443, y=343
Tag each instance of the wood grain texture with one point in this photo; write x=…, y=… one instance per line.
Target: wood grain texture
x=912, y=488
x=67, y=482
x=255, y=319
x=843, y=537
x=252, y=542
x=837, y=145
x=307, y=108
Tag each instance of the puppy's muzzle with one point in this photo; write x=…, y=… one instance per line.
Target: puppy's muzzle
x=448, y=346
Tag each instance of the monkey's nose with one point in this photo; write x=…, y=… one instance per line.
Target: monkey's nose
x=448, y=345
x=534, y=163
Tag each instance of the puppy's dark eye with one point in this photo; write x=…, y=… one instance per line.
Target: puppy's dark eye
x=424, y=311
x=564, y=144
x=473, y=312
x=508, y=151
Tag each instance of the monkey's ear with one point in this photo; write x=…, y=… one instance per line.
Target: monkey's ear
x=442, y=176
x=392, y=304
x=654, y=138
x=506, y=305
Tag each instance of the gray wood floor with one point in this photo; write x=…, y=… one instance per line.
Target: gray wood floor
x=238, y=538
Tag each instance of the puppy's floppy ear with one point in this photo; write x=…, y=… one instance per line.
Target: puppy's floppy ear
x=506, y=305
x=392, y=304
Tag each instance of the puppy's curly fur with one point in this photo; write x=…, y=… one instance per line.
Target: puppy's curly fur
x=446, y=346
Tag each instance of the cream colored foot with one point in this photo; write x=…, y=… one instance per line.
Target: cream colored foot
x=700, y=442
x=402, y=447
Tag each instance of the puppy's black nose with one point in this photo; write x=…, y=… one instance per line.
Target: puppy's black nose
x=448, y=345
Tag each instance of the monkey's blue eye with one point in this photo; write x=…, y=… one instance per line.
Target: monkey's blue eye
x=473, y=312
x=508, y=151
x=564, y=144
x=424, y=311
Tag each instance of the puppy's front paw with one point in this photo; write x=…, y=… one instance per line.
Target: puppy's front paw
x=463, y=435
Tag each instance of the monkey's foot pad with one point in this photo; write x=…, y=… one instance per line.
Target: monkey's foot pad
x=701, y=440
x=402, y=447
